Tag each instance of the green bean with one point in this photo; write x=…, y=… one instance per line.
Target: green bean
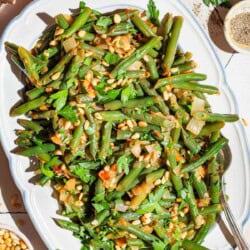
x=61, y=21
x=142, y=102
x=190, y=198
x=215, y=180
x=35, y=93
x=211, y=127
x=99, y=188
x=58, y=68
x=212, y=209
x=120, y=29
x=190, y=245
x=215, y=136
x=43, y=180
x=142, y=26
x=212, y=117
x=123, y=134
x=93, y=134
x=135, y=242
x=135, y=73
x=74, y=66
x=151, y=177
x=28, y=106
x=172, y=43
x=151, y=66
x=48, y=53
x=179, y=60
x=203, y=231
x=190, y=142
x=167, y=26
x=124, y=184
x=105, y=142
x=29, y=64
x=138, y=232
x=30, y=125
x=45, y=39
x=80, y=20
x=199, y=186
x=77, y=135
x=139, y=90
x=129, y=216
x=211, y=90
x=135, y=56
x=187, y=66
x=98, y=53
x=125, y=15
x=101, y=216
x=44, y=157
x=161, y=232
x=89, y=26
x=153, y=53
x=111, y=116
x=145, y=84
x=36, y=150
x=152, y=119
x=12, y=47
x=44, y=115
x=213, y=150
x=69, y=225
x=17, y=61
x=179, y=79
x=88, y=37
x=100, y=29
x=173, y=164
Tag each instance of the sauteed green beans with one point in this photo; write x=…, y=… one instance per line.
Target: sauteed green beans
x=120, y=124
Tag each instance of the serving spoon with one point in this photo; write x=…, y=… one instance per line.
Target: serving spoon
x=225, y=157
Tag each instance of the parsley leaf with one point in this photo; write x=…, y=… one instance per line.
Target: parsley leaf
x=100, y=206
x=153, y=13
x=159, y=245
x=215, y=2
x=59, y=99
x=68, y=113
x=84, y=174
x=128, y=93
x=104, y=21
x=123, y=162
x=111, y=58
x=108, y=96
x=87, y=61
x=82, y=5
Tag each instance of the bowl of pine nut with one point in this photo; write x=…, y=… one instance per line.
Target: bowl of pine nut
x=13, y=239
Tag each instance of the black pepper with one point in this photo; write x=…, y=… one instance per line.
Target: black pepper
x=240, y=28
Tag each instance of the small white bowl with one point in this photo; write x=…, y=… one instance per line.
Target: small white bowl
x=241, y=7
x=19, y=235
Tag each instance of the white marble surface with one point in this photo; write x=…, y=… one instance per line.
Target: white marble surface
x=237, y=67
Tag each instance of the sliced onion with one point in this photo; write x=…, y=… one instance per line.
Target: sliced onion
x=136, y=150
x=195, y=126
x=135, y=66
x=121, y=207
x=69, y=44
x=197, y=105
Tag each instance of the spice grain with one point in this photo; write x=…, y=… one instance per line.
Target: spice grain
x=240, y=28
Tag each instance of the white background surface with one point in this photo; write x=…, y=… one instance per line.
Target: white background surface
x=237, y=67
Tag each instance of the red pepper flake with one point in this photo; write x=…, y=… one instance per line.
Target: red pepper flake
x=104, y=175
x=114, y=168
x=139, y=37
x=121, y=242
